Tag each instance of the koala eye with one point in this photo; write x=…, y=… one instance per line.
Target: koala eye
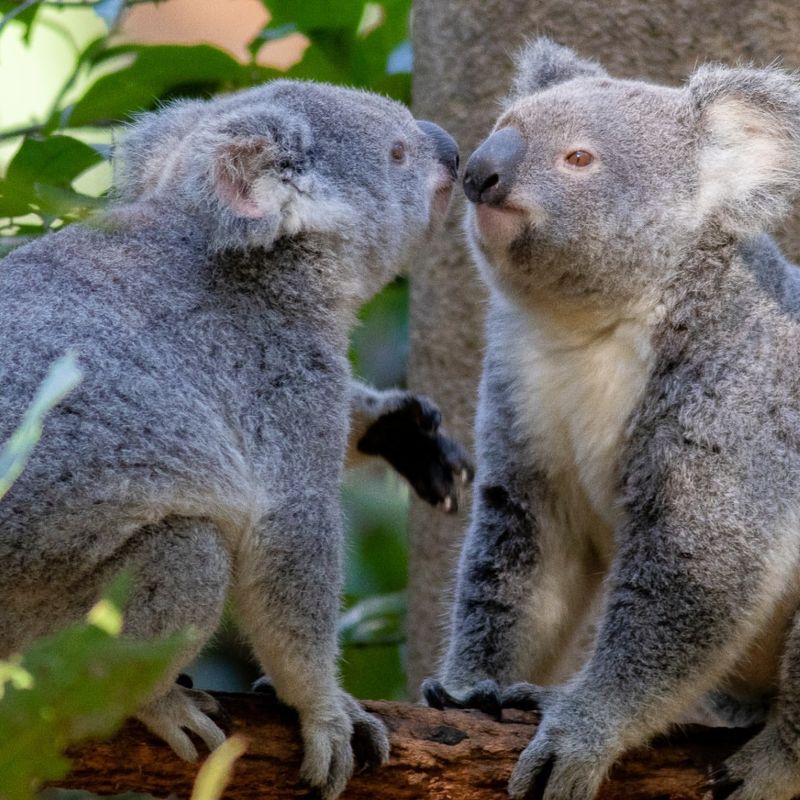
x=398, y=152
x=579, y=158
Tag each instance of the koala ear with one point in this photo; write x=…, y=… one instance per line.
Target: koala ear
x=543, y=63
x=238, y=164
x=148, y=151
x=748, y=133
x=258, y=161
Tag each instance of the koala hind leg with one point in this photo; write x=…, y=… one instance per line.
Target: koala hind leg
x=288, y=579
x=181, y=574
x=768, y=766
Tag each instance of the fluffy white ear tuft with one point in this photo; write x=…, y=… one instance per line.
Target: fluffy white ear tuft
x=748, y=125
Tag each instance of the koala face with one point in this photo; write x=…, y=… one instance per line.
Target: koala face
x=292, y=158
x=595, y=187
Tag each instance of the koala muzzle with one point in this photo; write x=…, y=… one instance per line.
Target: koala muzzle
x=492, y=167
x=446, y=147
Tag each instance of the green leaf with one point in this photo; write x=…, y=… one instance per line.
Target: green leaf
x=313, y=15
x=41, y=165
x=26, y=17
x=83, y=683
x=375, y=620
x=62, y=377
x=155, y=73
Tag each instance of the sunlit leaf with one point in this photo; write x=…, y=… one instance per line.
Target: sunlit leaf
x=157, y=72
x=62, y=377
x=213, y=776
x=83, y=683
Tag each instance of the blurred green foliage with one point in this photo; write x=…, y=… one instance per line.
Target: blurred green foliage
x=352, y=42
x=80, y=683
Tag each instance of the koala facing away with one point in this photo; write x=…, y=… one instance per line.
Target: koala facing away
x=210, y=307
x=634, y=549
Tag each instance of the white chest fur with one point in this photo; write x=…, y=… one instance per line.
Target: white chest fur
x=580, y=377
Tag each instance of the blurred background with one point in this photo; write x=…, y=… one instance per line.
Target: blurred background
x=73, y=71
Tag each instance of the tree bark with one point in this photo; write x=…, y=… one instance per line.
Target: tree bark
x=436, y=755
x=462, y=66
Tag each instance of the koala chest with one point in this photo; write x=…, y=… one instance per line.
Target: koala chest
x=577, y=390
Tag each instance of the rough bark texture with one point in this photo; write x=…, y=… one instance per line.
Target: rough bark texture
x=462, y=66
x=436, y=755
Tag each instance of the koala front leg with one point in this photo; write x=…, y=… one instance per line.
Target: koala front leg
x=288, y=581
x=689, y=584
x=525, y=578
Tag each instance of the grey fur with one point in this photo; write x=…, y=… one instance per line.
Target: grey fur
x=643, y=573
x=210, y=307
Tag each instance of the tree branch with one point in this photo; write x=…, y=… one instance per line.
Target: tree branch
x=436, y=755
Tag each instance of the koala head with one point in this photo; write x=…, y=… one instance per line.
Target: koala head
x=291, y=159
x=595, y=187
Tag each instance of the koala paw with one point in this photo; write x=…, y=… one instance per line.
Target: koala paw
x=485, y=696
x=409, y=437
x=764, y=768
x=369, y=742
x=558, y=764
x=181, y=710
x=527, y=697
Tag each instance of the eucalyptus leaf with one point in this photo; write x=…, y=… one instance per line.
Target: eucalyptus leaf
x=62, y=377
x=84, y=681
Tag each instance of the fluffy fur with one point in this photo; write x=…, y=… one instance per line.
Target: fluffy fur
x=635, y=539
x=210, y=307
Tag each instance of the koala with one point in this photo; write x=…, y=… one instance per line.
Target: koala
x=399, y=426
x=210, y=307
x=633, y=557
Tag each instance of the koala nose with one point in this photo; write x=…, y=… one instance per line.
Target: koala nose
x=446, y=147
x=491, y=168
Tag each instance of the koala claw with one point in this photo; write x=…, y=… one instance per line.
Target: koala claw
x=409, y=437
x=540, y=781
x=328, y=758
x=560, y=763
x=484, y=696
x=370, y=741
x=721, y=784
x=336, y=742
x=526, y=697
x=180, y=709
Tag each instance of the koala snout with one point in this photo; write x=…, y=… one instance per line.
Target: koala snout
x=446, y=147
x=491, y=168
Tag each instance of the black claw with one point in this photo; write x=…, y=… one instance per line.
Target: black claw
x=486, y=698
x=366, y=752
x=185, y=680
x=434, y=694
x=522, y=696
x=721, y=784
x=540, y=781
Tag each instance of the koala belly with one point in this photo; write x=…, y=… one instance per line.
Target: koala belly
x=576, y=390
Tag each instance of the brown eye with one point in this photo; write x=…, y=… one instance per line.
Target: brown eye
x=579, y=158
x=398, y=152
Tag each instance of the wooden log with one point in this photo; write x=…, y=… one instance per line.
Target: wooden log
x=436, y=755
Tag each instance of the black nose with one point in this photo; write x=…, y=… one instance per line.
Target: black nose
x=491, y=168
x=446, y=147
